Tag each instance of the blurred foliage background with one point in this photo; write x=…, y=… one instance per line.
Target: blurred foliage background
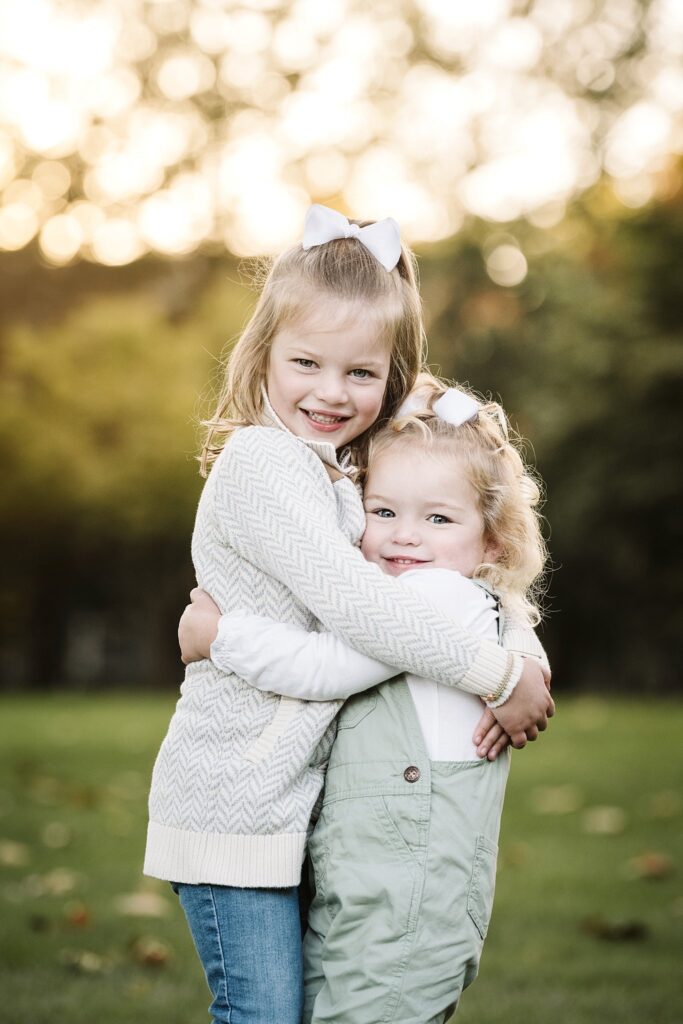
x=148, y=150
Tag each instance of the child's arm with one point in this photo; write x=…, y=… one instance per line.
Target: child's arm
x=288, y=660
x=275, y=505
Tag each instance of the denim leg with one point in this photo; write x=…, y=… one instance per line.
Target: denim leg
x=249, y=943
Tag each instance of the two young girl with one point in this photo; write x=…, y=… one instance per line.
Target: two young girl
x=330, y=354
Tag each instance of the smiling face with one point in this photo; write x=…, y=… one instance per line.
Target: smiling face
x=327, y=373
x=422, y=512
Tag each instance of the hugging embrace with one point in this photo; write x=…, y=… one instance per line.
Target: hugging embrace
x=360, y=656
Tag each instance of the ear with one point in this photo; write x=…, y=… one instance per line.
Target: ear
x=493, y=549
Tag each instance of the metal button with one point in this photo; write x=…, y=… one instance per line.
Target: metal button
x=411, y=774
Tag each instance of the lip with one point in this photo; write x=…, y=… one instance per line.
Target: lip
x=324, y=428
x=403, y=562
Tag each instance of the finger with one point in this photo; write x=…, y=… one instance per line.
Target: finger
x=542, y=724
x=532, y=733
x=551, y=708
x=518, y=740
x=489, y=739
x=485, y=723
x=196, y=593
x=498, y=747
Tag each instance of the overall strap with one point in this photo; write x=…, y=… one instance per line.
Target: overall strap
x=499, y=606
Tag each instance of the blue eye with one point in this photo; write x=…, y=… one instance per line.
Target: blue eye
x=383, y=513
x=438, y=520
x=361, y=374
x=305, y=363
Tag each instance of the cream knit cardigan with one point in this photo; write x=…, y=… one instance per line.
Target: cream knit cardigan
x=239, y=771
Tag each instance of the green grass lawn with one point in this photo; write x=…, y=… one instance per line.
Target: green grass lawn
x=589, y=905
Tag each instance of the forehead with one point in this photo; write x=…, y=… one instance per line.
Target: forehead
x=409, y=469
x=336, y=327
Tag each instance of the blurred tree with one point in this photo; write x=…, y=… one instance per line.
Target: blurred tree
x=98, y=433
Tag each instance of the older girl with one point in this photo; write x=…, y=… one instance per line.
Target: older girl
x=331, y=351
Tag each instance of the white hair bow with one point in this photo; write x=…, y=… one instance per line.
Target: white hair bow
x=455, y=406
x=382, y=239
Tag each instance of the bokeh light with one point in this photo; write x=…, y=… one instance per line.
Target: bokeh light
x=182, y=122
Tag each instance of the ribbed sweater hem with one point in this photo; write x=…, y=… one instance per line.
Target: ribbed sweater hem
x=214, y=858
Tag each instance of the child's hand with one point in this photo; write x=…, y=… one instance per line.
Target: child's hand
x=489, y=737
x=198, y=627
x=527, y=711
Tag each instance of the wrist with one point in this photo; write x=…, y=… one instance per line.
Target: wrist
x=506, y=687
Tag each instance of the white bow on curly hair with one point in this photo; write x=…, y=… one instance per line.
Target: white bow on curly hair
x=455, y=406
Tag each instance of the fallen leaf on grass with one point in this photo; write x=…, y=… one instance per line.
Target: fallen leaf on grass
x=77, y=915
x=82, y=961
x=652, y=865
x=39, y=923
x=13, y=854
x=603, y=821
x=58, y=882
x=150, y=952
x=142, y=904
x=615, y=930
x=556, y=799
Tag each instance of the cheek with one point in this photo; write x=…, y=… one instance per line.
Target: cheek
x=369, y=402
x=281, y=382
x=368, y=544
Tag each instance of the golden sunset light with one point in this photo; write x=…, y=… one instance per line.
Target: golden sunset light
x=130, y=127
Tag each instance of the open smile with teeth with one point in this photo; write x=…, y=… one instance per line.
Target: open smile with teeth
x=406, y=561
x=327, y=421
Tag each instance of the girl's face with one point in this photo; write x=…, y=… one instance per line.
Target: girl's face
x=327, y=373
x=422, y=512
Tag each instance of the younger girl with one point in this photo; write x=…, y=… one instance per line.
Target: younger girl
x=331, y=351
x=404, y=851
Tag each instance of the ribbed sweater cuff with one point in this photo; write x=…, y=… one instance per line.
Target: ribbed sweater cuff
x=488, y=670
x=526, y=643
x=514, y=673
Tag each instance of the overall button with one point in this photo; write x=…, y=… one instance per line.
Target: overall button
x=411, y=774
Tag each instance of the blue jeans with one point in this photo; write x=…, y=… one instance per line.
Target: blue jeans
x=249, y=943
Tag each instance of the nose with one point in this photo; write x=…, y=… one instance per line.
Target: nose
x=332, y=388
x=405, y=534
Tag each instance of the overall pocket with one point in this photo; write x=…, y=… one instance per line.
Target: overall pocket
x=482, y=884
x=356, y=709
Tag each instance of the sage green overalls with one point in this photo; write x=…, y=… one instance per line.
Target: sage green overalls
x=404, y=855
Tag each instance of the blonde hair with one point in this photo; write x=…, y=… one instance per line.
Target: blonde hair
x=508, y=495
x=295, y=283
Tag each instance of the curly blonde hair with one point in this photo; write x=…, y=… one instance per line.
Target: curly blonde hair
x=295, y=283
x=508, y=493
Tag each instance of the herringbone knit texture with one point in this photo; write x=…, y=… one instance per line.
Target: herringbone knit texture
x=239, y=770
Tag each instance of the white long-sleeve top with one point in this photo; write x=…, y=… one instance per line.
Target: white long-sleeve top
x=281, y=658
